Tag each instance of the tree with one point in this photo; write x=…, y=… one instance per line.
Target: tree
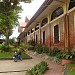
x=9, y=10
x=12, y=41
x=7, y=21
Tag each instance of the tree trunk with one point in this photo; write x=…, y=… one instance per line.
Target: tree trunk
x=7, y=39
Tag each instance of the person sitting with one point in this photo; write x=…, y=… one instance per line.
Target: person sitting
x=19, y=55
x=15, y=54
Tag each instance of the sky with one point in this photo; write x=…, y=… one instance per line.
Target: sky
x=29, y=9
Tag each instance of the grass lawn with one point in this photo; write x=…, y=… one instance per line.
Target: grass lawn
x=71, y=68
x=9, y=55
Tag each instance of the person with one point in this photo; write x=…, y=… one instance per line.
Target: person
x=15, y=56
x=19, y=54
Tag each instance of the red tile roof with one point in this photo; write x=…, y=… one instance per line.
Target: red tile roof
x=23, y=24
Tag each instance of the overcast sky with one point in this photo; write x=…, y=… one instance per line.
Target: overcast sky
x=28, y=9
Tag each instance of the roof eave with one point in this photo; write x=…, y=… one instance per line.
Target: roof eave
x=39, y=11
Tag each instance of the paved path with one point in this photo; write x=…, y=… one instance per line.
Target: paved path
x=54, y=68
x=7, y=66
x=10, y=65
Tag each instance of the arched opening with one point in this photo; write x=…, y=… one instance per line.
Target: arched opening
x=44, y=21
x=71, y=4
x=57, y=13
x=37, y=27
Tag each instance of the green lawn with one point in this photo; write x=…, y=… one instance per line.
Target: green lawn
x=9, y=55
x=71, y=69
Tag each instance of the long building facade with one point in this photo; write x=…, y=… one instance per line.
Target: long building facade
x=52, y=25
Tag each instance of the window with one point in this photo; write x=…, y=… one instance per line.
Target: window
x=32, y=30
x=71, y=4
x=44, y=21
x=57, y=13
x=28, y=32
x=56, y=34
x=43, y=37
x=36, y=38
x=37, y=27
x=24, y=35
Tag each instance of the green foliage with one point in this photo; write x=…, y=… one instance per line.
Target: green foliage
x=5, y=55
x=39, y=48
x=71, y=68
x=39, y=69
x=73, y=52
x=31, y=42
x=53, y=52
x=31, y=48
x=21, y=46
x=12, y=41
x=59, y=55
x=9, y=10
x=5, y=48
x=26, y=46
x=8, y=18
x=65, y=55
x=9, y=55
x=45, y=49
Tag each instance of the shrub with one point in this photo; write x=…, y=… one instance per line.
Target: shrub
x=31, y=42
x=22, y=46
x=5, y=48
x=53, y=52
x=65, y=55
x=31, y=48
x=39, y=48
x=45, y=49
x=39, y=69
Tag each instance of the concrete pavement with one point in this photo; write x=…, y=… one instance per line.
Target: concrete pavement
x=54, y=68
x=7, y=66
x=22, y=66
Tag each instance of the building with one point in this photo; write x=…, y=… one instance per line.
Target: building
x=52, y=25
x=22, y=25
x=21, y=28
